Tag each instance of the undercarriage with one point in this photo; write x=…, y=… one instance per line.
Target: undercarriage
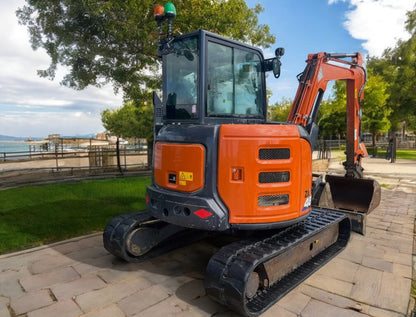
x=248, y=275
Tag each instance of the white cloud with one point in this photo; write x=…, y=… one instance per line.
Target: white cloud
x=34, y=106
x=379, y=23
x=40, y=124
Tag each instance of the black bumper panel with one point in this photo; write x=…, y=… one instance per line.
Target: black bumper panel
x=186, y=210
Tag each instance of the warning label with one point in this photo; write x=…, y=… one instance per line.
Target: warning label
x=186, y=176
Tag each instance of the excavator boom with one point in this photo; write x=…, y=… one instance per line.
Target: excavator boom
x=320, y=69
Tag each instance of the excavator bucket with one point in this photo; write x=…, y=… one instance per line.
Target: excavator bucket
x=356, y=197
x=354, y=194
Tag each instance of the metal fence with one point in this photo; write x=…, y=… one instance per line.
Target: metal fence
x=341, y=144
x=94, y=158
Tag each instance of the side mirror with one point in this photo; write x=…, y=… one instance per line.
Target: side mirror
x=274, y=63
x=279, y=52
x=276, y=67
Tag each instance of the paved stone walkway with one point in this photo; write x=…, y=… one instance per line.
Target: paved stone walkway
x=372, y=277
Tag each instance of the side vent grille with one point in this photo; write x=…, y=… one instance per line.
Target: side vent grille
x=272, y=200
x=274, y=177
x=274, y=154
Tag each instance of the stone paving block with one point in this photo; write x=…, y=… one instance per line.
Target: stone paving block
x=171, y=306
x=9, y=282
x=354, y=251
x=66, y=308
x=85, y=253
x=379, y=312
x=113, y=276
x=174, y=283
x=90, y=241
x=294, y=302
x=110, y=294
x=94, y=265
x=378, y=264
x=395, y=227
x=39, y=281
x=67, y=247
x=191, y=290
x=77, y=287
x=381, y=225
x=278, y=311
x=4, y=311
x=398, y=257
x=205, y=306
x=49, y=264
x=11, y=261
x=330, y=284
x=331, y=269
x=394, y=293
x=143, y=299
x=31, y=301
x=330, y=298
x=110, y=311
x=374, y=251
x=402, y=270
x=367, y=285
x=316, y=308
x=154, y=277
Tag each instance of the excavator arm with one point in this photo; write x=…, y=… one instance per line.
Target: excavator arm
x=320, y=69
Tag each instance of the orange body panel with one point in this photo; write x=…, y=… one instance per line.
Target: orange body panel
x=264, y=189
x=179, y=166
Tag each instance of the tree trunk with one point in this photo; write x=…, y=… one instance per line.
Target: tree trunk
x=373, y=141
x=149, y=153
x=118, y=155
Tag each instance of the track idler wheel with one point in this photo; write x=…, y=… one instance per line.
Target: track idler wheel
x=119, y=239
x=253, y=284
x=142, y=240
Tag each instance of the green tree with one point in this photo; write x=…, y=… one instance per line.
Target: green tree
x=280, y=110
x=113, y=41
x=397, y=67
x=376, y=113
x=110, y=41
x=331, y=117
x=130, y=121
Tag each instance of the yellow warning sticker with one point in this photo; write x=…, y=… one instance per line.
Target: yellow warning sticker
x=186, y=176
x=182, y=183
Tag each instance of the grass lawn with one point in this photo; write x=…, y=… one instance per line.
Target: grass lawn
x=400, y=154
x=32, y=216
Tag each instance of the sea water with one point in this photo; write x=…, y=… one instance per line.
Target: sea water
x=13, y=146
x=15, y=150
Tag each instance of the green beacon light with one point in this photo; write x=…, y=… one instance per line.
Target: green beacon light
x=170, y=10
x=170, y=14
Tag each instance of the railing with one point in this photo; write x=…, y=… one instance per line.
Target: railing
x=95, y=158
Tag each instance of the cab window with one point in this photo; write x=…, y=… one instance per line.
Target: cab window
x=182, y=79
x=234, y=82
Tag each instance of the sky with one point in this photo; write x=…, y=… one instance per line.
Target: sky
x=31, y=106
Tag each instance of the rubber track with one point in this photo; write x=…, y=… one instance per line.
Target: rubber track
x=228, y=270
x=117, y=230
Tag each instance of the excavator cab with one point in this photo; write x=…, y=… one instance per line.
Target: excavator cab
x=211, y=79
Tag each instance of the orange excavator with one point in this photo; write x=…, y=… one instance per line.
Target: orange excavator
x=219, y=167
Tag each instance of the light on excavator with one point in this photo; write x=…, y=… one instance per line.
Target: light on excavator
x=170, y=10
x=158, y=14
